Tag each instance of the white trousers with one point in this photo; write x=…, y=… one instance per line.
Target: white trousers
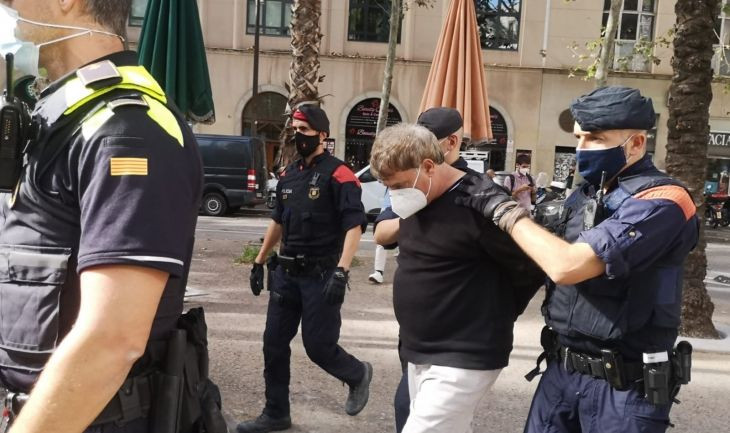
x=381, y=255
x=443, y=399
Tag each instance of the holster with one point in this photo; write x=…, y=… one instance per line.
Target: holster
x=201, y=400
x=168, y=395
x=550, y=350
x=271, y=264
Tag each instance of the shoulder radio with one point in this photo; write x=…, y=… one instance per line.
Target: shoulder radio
x=14, y=128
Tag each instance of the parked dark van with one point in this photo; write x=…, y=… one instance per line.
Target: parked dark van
x=235, y=172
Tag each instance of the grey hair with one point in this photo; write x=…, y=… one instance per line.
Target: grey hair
x=403, y=147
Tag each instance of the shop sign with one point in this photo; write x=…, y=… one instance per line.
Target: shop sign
x=719, y=139
x=362, y=121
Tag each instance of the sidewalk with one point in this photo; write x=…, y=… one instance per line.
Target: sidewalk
x=369, y=331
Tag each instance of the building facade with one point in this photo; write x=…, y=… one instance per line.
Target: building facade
x=529, y=50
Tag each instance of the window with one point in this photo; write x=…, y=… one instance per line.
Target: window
x=721, y=61
x=499, y=24
x=275, y=17
x=370, y=21
x=635, y=25
x=136, y=14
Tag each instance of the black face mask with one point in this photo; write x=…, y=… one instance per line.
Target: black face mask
x=306, y=144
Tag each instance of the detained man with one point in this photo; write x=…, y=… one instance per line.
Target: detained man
x=456, y=269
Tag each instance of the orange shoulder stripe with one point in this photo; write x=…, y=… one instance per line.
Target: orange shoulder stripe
x=677, y=194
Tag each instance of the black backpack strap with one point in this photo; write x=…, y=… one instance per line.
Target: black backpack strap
x=512, y=181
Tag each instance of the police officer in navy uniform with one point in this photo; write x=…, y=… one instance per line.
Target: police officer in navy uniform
x=319, y=219
x=614, y=290
x=96, y=239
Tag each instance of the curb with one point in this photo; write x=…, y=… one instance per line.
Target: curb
x=710, y=345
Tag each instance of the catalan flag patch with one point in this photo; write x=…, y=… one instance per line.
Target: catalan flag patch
x=128, y=166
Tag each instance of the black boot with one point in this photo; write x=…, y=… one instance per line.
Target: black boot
x=358, y=397
x=263, y=424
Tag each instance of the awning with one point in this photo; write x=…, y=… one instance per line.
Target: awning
x=457, y=77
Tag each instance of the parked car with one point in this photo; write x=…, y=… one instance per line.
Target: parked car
x=235, y=172
x=372, y=192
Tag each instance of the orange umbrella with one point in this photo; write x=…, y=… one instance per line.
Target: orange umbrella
x=457, y=76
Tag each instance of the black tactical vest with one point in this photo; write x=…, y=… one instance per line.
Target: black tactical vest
x=40, y=230
x=311, y=220
x=611, y=309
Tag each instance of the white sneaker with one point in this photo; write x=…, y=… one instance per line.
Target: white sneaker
x=376, y=277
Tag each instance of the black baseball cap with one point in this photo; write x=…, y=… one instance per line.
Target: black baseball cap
x=442, y=121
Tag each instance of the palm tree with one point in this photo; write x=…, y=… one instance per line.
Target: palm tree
x=690, y=95
x=304, y=75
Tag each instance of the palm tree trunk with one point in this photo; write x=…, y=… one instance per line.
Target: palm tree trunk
x=605, y=61
x=690, y=95
x=395, y=19
x=304, y=75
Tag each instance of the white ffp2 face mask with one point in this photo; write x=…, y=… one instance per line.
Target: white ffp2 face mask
x=26, y=54
x=408, y=201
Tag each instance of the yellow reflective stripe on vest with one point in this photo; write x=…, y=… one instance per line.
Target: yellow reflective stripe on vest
x=133, y=78
x=93, y=123
x=164, y=117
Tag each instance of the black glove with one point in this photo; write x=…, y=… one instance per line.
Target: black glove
x=491, y=200
x=334, y=290
x=257, y=279
x=483, y=195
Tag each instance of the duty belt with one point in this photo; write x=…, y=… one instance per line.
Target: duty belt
x=131, y=402
x=303, y=265
x=610, y=367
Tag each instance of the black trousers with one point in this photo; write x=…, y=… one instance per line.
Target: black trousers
x=402, y=402
x=301, y=300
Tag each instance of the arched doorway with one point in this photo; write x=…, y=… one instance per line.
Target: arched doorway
x=362, y=122
x=498, y=145
x=263, y=117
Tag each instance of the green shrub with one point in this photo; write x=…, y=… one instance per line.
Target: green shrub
x=248, y=255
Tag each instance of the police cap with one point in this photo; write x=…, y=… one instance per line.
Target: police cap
x=442, y=121
x=315, y=116
x=613, y=107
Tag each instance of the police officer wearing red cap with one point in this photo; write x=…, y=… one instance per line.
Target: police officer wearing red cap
x=614, y=291
x=319, y=218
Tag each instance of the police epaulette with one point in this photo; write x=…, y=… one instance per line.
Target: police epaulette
x=127, y=101
x=100, y=74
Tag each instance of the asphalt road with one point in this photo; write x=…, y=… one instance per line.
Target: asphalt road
x=248, y=226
